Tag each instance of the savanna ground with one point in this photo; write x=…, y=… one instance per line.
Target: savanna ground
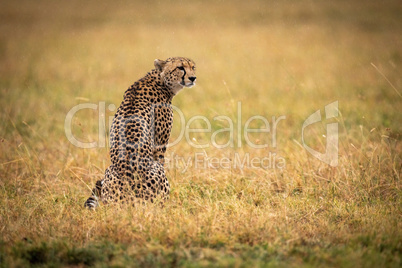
x=287, y=58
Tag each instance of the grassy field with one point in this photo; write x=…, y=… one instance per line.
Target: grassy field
x=254, y=58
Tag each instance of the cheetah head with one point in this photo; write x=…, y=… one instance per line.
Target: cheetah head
x=176, y=73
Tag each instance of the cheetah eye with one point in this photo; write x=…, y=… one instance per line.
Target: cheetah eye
x=181, y=68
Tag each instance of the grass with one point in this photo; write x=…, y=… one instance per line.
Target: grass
x=275, y=58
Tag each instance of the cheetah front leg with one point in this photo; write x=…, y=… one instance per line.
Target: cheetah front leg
x=155, y=185
x=159, y=154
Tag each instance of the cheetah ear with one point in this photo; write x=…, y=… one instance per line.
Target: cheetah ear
x=159, y=64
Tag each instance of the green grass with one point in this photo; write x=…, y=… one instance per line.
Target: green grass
x=276, y=58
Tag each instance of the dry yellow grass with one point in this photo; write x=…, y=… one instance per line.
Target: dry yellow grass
x=288, y=58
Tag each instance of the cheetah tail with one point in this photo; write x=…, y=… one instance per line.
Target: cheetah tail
x=93, y=201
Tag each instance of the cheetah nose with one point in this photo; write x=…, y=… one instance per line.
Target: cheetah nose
x=192, y=78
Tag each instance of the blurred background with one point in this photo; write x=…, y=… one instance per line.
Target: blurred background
x=269, y=53
x=276, y=58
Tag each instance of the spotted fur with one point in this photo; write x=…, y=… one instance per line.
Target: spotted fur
x=139, y=135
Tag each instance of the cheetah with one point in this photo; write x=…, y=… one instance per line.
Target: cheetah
x=139, y=136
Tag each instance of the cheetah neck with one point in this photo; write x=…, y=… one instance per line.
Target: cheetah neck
x=154, y=77
x=152, y=83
